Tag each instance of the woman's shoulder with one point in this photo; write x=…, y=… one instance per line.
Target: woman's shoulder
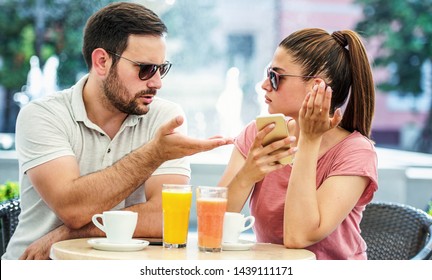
x=245, y=138
x=354, y=144
x=358, y=141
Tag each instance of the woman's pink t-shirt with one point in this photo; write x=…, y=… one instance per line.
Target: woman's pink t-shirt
x=354, y=155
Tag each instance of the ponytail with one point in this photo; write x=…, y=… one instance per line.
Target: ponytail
x=360, y=108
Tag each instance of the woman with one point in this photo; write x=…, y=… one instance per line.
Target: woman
x=317, y=202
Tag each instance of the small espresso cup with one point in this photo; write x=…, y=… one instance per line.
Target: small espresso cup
x=118, y=226
x=234, y=224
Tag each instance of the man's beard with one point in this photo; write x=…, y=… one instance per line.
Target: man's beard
x=116, y=94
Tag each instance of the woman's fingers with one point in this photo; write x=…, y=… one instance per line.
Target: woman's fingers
x=337, y=118
x=326, y=102
x=311, y=102
x=258, y=142
x=317, y=102
x=319, y=98
x=269, y=155
x=314, y=115
x=280, y=144
x=303, y=109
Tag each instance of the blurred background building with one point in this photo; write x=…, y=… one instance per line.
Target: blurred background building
x=219, y=50
x=206, y=38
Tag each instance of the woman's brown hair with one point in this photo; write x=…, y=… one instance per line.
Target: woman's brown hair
x=341, y=60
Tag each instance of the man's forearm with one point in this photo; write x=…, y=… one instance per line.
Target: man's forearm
x=108, y=187
x=89, y=230
x=149, y=219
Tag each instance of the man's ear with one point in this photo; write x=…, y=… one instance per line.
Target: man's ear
x=101, y=62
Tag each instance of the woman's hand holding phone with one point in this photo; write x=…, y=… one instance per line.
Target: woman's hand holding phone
x=279, y=132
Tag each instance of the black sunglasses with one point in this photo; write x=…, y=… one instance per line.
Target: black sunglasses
x=274, y=77
x=146, y=71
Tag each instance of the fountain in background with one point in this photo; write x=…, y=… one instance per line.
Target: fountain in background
x=34, y=85
x=261, y=99
x=50, y=75
x=229, y=105
x=39, y=83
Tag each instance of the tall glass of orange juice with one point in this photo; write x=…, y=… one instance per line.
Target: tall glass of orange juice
x=211, y=208
x=176, y=204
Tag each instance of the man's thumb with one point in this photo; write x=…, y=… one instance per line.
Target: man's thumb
x=170, y=126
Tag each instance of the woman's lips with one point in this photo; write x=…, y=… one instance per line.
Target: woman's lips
x=267, y=100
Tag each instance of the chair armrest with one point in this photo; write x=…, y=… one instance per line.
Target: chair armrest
x=426, y=252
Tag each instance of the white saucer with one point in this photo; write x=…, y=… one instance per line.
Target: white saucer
x=104, y=245
x=241, y=245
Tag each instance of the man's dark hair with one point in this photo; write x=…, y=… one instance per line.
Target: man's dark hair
x=110, y=27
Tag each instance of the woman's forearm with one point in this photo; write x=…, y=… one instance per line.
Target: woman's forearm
x=301, y=214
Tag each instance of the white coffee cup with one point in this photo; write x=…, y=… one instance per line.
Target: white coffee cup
x=234, y=224
x=118, y=226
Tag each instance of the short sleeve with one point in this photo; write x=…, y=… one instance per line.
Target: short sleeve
x=244, y=140
x=40, y=136
x=357, y=157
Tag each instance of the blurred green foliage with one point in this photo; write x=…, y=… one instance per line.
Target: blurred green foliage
x=55, y=27
x=42, y=28
x=9, y=190
x=430, y=208
x=14, y=53
x=403, y=30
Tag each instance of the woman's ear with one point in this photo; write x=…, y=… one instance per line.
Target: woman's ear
x=101, y=62
x=317, y=81
x=313, y=82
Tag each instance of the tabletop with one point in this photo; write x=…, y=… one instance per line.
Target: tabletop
x=80, y=249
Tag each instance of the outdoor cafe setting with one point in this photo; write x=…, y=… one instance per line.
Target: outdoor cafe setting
x=261, y=138
x=217, y=236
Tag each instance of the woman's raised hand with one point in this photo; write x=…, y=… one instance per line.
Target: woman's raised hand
x=314, y=115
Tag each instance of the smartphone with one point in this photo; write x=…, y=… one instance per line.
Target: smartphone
x=154, y=241
x=279, y=132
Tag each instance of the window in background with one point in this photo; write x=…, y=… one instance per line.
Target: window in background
x=219, y=50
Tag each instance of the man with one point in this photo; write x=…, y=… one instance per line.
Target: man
x=106, y=143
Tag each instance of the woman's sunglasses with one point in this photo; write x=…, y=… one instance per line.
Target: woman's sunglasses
x=274, y=77
x=146, y=71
